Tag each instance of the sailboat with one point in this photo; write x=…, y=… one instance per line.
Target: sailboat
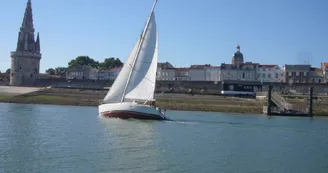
x=132, y=93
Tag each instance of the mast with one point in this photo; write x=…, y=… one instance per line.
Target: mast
x=138, y=49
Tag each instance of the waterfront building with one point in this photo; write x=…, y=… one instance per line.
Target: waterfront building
x=213, y=73
x=242, y=72
x=270, y=73
x=324, y=67
x=181, y=74
x=80, y=72
x=316, y=76
x=113, y=72
x=25, y=61
x=297, y=73
x=198, y=72
x=165, y=72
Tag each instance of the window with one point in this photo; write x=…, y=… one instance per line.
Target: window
x=289, y=74
x=258, y=75
x=263, y=75
x=277, y=75
x=263, y=69
x=297, y=73
x=269, y=69
x=243, y=74
x=269, y=75
x=12, y=74
x=319, y=80
x=305, y=73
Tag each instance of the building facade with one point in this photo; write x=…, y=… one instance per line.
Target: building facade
x=213, y=73
x=297, y=73
x=79, y=73
x=198, y=72
x=324, y=68
x=113, y=72
x=25, y=61
x=316, y=76
x=270, y=73
x=165, y=72
x=243, y=72
x=181, y=74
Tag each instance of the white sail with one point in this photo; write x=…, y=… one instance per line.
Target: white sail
x=135, y=69
x=146, y=88
x=116, y=91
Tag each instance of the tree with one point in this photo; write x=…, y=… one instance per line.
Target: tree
x=56, y=71
x=8, y=70
x=83, y=61
x=60, y=71
x=51, y=71
x=110, y=63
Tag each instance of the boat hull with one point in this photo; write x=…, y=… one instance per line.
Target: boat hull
x=130, y=110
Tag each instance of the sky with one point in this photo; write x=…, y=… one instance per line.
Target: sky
x=190, y=31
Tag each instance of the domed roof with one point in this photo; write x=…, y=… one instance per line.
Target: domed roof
x=238, y=55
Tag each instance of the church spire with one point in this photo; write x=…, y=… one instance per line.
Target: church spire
x=27, y=24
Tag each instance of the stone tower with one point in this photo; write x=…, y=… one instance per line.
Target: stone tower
x=25, y=61
x=238, y=57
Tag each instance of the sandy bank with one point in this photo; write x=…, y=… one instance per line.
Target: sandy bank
x=169, y=101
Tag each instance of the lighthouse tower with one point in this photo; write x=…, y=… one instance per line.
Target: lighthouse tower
x=25, y=61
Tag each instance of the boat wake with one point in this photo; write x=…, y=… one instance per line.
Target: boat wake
x=184, y=121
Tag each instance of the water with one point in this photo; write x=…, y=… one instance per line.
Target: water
x=42, y=138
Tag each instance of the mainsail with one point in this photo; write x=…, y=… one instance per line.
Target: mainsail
x=136, y=81
x=146, y=88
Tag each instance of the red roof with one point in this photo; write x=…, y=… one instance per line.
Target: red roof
x=115, y=68
x=316, y=69
x=49, y=76
x=325, y=64
x=181, y=69
x=266, y=66
x=200, y=66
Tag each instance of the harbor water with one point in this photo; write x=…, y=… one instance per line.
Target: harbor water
x=52, y=139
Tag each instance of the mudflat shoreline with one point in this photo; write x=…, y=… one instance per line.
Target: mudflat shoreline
x=76, y=97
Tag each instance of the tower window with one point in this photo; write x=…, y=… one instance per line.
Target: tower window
x=31, y=75
x=20, y=67
x=12, y=74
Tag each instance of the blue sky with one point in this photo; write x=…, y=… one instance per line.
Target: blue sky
x=190, y=31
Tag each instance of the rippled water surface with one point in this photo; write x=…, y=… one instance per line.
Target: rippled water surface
x=43, y=138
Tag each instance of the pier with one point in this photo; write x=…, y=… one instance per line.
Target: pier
x=277, y=105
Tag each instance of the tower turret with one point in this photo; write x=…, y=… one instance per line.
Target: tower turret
x=37, y=44
x=25, y=61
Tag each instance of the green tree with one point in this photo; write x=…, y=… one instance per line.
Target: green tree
x=110, y=63
x=83, y=61
x=60, y=71
x=51, y=71
x=8, y=70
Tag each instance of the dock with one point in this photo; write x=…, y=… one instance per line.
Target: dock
x=278, y=106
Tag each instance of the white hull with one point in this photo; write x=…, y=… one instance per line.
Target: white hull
x=130, y=110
